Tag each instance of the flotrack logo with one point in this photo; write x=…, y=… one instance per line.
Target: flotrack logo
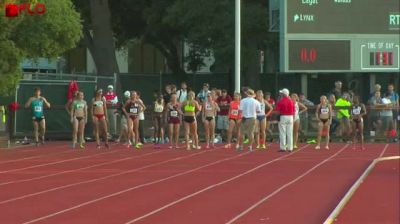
x=14, y=9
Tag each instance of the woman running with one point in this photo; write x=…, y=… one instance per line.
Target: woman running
x=37, y=104
x=172, y=114
x=234, y=119
x=131, y=110
x=358, y=110
x=323, y=114
x=261, y=121
x=299, y=108
x=209, y=112
x=190, y=108
x=158, y=120
x=78, y=120
x=99, y=111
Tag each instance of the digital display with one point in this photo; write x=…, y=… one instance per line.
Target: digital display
x=319, y=55
x=343, y=16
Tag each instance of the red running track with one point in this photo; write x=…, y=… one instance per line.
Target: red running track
x=377, y=200
x=177, y=186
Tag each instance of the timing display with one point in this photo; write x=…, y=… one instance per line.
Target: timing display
x=319, y=55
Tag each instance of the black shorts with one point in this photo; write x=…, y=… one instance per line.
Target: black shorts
x=37, y=119
x=209, y=118
x=79, y=118
x=189, y=119
x=324, y=120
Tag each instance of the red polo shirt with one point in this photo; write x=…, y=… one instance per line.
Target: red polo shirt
x=224, y=110
x=285, y=106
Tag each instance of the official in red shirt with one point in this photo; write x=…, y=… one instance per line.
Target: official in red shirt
x=286, y=110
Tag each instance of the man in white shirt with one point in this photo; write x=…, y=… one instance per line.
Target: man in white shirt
x=248, y=108
x=182, y=93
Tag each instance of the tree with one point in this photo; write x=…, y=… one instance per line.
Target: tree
x=26, y=36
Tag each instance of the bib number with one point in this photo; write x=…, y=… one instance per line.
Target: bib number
x=356, y=111
x=133, y=110
x=235, y=112
x=37, y=109
x=324, y=111
x=174, y=113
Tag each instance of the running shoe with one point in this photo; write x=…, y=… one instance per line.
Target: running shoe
x=263, y=146
x=98, y=147
x=312, y=141
x=317, y=147
x=250, y=148
x=228, y=146
x=295, y=147
x=82, y=145
x=138, y=146
x=327, y=147
x=246, y=141
x=258, y=147
x=239, y=147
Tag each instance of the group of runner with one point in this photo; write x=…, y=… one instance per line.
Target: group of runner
x=246, y=118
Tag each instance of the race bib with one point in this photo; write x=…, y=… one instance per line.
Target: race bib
x=133, y=110
x=174, y=113
x=324, y=110
x=38, y=109
x=235, y=112
x=79, y=106
x=356, y=111
x=209, y=107
x=262, y=107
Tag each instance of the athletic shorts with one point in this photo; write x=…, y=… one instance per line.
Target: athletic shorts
x=222, y=122
x=248, y=126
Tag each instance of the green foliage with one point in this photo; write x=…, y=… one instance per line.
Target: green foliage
x=25, y=36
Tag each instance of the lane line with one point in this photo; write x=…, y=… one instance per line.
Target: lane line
x=79, y=169
x=284, y=186
x=57, y=162
x=136, y=187
x=213, y=186
x=346, y=198
x=98, y=179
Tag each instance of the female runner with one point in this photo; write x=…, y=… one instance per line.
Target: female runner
x=158, y=119
x=234, y=119
x=357, y=112
x=190, y=110
x=131, y=110
x=323, y=114
x=78, y=120
x=299, y=108
x=261, y=121
x=99, y=111
x=209, y=112
x=172, y=114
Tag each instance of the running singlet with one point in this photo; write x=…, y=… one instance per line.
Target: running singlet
x=133, y=108
x=324, y=110
x=234, y=110
x=158, y=107
x=356, y=110
x=262, y=109
x=173, y=111
x=209, y=106
x=37, y=108
x=189, y=108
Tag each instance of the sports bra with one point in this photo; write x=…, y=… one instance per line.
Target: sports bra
x=189, y=108
x=78, y=105
x=158, y=107
x=98, y=103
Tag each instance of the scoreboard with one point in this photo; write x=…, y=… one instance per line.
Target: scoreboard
x=340, y=35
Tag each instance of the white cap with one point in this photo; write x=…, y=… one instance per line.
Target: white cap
x=284, y=91
x=110, y=87
x=127, y=94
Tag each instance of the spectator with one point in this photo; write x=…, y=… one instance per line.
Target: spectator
x=394, y=98
x=182, y=93
x=223, y=102
x=343, y=115
x=286, y=110
x=167, y=93
x=375, y=102
x=203, y=94
x=335, y=122
x=378, y=88
x=112, y=101
x=304, y=121
x=386, y=114
x=337, y=91
x=142, y=138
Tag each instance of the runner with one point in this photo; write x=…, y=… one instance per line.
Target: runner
x=261, y=121
x=124, y=122
x=357, y=112
x=172, y=114
x=131, y=110
x=270, y=118
x=234, y=119
x=209, y=112
x=141, y=137
x=158, y=119
x=37, y=104
x=79, y=120
x=323, y=114
x=99, y=111
x=190, y=106
x=299, y=108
